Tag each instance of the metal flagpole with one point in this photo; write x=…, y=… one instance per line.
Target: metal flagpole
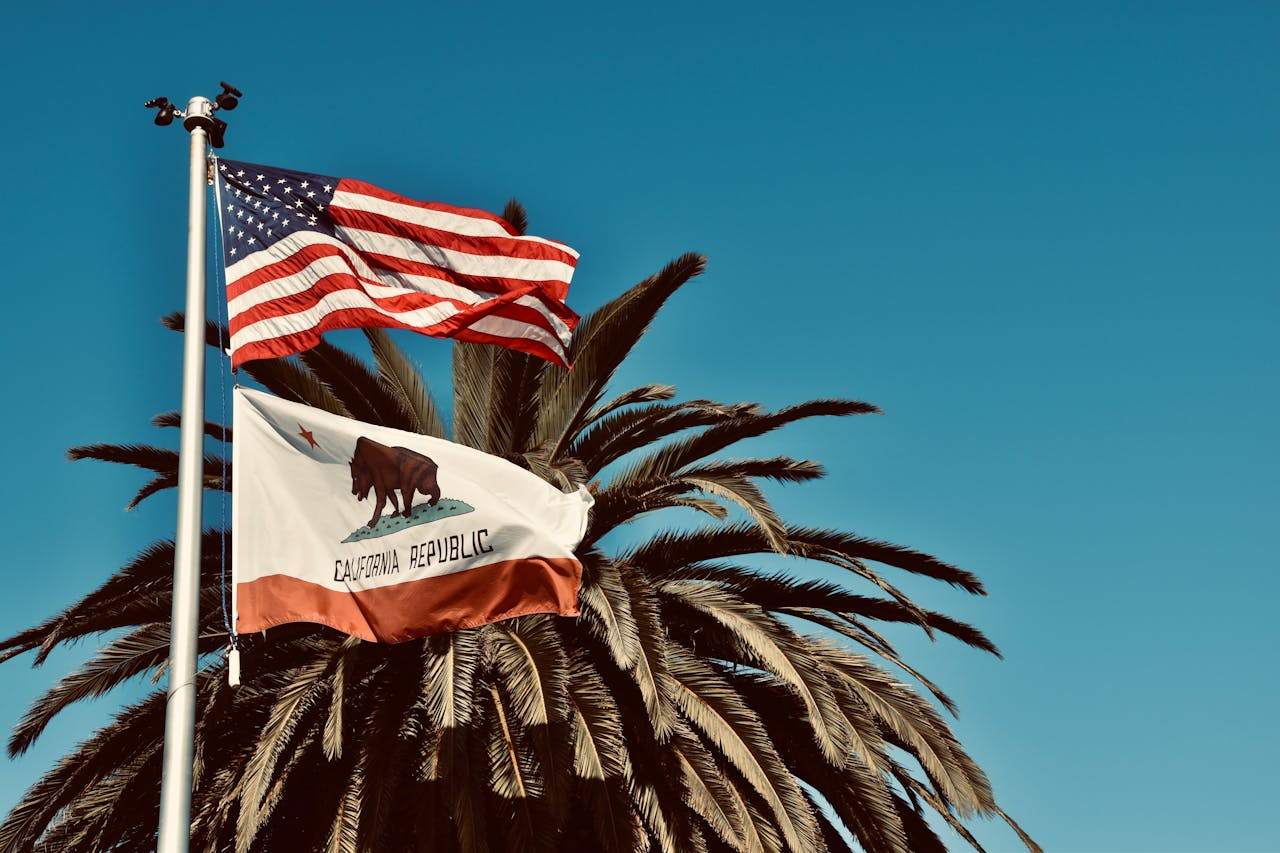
x=174, y=832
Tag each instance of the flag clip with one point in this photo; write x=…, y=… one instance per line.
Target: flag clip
x=233, y=667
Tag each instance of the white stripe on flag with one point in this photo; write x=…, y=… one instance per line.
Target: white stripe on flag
x=441, y=220
x=285, y=248
x=486, y=266
x=283, y=325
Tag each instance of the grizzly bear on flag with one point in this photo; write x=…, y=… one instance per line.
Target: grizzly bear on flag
x=384, y=469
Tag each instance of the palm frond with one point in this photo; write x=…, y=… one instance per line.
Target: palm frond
x=641, y=394
x=600, y=343
x=515, y=215
x=402, y=379
x=211, y=429
x=449, y=677
x=718, y=713
x=651, y=672
x=685, y=451
x=355, y=386
x=604, y=441
x=510, y=778
x=142, y=650
x=708, y=793
x=913, y=725
x=290, y=379
x=472, y=369
x=81, y=770
x=856, y=789
x=138, y=594
x=765, y=642
x=530, y=659
x=606, y=611
x=297, y=702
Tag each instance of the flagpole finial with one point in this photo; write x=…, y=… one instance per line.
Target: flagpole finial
x=199, y=112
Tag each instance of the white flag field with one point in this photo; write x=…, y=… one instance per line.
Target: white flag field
x=388, y=535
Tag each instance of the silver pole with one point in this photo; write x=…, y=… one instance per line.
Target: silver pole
x=180, y=716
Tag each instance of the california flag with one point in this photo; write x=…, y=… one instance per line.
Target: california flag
x=389, y=535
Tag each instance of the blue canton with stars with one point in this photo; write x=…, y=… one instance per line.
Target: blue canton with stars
x=262, y=204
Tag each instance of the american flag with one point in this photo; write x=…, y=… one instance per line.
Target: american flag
x=307, y=253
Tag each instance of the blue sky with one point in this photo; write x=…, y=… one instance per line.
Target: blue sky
x=1043, y=237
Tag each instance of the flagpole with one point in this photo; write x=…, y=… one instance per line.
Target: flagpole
x=174, y=833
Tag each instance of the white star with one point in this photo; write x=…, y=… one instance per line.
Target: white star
x=288, y=189
x=252, y=240
x=231, y=229
x=233, y=251
x=311, y=194
x=275, y=215
x=285, y=223
x=239, y=214
x=327, y=187
x=260, y=177
x=305, y=184
x=281, y=181
x=261, y=225
x=240, y=174
x=230, y=208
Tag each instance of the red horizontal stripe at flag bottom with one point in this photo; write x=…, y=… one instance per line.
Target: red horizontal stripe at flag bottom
x=435, y=605
x=307, y=253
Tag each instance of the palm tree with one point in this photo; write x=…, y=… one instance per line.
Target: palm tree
x=699, y=703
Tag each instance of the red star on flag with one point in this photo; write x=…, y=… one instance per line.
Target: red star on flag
x=308, y=435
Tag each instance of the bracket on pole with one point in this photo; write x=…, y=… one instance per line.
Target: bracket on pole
x=199, y=112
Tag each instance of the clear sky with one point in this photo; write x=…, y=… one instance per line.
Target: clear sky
x=1043, y=237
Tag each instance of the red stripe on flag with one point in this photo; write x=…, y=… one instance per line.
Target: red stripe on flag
x=393, y=614
x=401, y=303
x=472, y=244
x=281, y=346
x=291, y=264
x=351, y=185
x=554, y=288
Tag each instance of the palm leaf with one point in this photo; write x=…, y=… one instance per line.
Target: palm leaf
x=356, y=386
x=600, y=343
x=401, y=377
x=140, y=651
x=718, y=713
x=708, y=793
x=211, y=429
x=767, y=643
x=606, y=610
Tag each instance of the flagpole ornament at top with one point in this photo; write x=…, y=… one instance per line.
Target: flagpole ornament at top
x=199, y=112
x=205, y=129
